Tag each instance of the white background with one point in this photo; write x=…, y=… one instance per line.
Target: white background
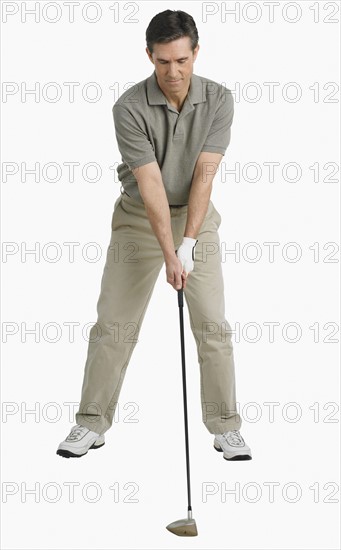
x=300, y=445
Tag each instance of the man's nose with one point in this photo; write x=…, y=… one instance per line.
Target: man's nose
x=172, y=70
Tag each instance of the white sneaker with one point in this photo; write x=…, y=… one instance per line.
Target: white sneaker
x=233, y=446
x=79, y=441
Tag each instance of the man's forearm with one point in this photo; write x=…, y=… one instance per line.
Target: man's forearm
x=157, y=208
x=155, y=200
x=201, y=187
x=199, y=198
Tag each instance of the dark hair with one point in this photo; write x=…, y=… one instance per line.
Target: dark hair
x=170, y=25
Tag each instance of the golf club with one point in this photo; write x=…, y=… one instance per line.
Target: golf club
x=184, y=527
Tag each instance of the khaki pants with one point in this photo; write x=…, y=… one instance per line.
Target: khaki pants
x=133, y=263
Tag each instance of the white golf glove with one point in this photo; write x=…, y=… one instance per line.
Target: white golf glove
x=185, y=253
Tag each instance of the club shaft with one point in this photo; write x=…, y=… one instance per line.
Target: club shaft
x=182, y=338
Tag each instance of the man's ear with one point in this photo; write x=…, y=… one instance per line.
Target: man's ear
x=149, y=55
x=196, y=50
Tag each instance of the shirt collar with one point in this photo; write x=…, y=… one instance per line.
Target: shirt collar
x=196, y=93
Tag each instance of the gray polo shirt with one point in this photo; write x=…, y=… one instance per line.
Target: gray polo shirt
x=149, y=129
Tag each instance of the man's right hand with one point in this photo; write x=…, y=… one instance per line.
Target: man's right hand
x=175, y=274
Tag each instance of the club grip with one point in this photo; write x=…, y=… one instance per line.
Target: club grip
x=181, y=297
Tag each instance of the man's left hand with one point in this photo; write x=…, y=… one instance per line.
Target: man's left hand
x=186, y=254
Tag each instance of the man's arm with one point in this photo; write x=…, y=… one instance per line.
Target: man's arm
x=152, y=191
x=215, y=145
x=154, y=196
x=205, y=169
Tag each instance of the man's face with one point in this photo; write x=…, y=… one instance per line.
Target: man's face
x=173, y=63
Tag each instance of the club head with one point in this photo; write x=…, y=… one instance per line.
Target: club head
x=183, y=528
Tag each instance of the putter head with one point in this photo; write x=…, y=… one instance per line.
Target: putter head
x=183, y=527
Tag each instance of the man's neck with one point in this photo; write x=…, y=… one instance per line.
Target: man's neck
x=176, y=100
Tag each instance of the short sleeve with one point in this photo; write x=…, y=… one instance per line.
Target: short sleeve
x=133, y=142
x=219, y=135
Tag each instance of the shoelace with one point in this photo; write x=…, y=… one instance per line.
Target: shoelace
x=76, y=432
x=235, y=436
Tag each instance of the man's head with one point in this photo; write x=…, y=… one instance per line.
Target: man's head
x=172, y=46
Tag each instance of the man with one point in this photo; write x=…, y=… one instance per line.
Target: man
x=172, y=130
